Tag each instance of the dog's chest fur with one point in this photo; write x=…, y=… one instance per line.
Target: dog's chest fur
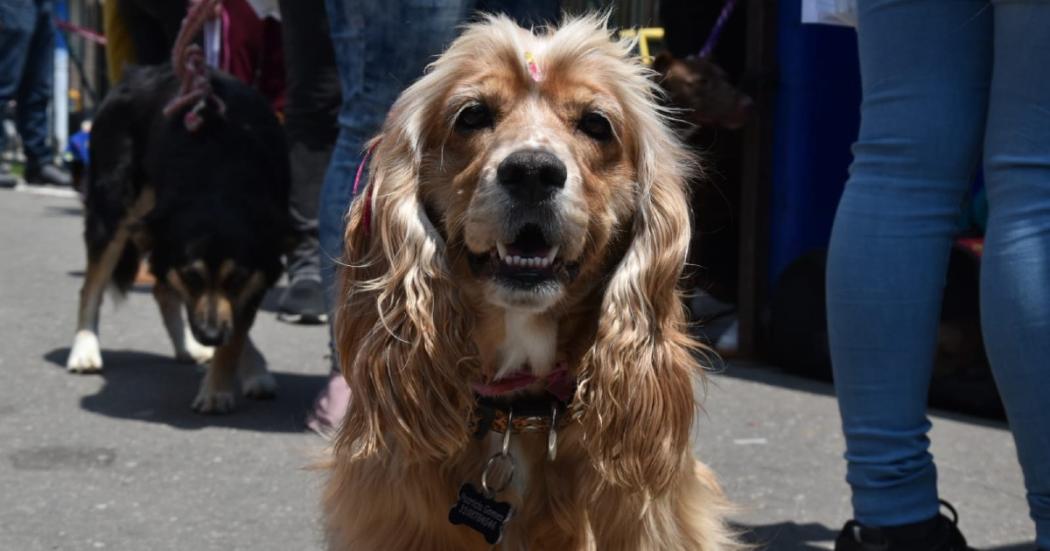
x=528, y=340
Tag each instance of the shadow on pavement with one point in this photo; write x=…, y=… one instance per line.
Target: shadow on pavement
x=52, y=210
x=774, y=376
x=789, y=536
x=157, y=389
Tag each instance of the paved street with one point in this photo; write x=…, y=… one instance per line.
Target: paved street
x=118, y=461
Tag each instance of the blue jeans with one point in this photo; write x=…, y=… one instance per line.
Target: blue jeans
x=942, y=82
x=27, y=43
x=382, y=46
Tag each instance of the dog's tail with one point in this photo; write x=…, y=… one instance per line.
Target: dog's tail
x=187, y=60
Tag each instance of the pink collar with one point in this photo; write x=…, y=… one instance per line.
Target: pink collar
x=558, y=383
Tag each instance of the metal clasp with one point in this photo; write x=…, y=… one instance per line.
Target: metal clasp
x=552, y=434
x=500, y=463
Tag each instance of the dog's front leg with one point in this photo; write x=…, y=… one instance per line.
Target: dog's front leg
x=689, y=516
x=256, y=381
x=217, y=387
x=187, y=349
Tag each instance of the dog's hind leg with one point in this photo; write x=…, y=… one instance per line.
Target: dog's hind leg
x=187, y=349
x=256, y=380
x=104, y=256
x=86, y=356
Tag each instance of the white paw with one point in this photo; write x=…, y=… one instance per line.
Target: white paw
x=259, y=385
x=195, y=352
x=209, y=401
x=85, y=356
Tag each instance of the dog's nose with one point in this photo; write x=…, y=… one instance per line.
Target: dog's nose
x=531, y=175
x=212, y=335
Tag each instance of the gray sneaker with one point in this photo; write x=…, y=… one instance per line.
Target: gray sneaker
x=302, y=302
x=7, y=178
x=47, y=173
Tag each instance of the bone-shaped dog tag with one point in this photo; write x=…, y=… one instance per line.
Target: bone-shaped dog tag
x=480, y=513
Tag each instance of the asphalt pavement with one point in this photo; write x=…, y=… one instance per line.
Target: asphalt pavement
x=118, y=461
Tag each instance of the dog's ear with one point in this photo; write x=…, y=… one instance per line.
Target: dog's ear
x=662, y=62
x=636, y=384
x=401, y=330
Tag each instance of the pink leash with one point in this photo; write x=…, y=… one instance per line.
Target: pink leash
x=187, y=60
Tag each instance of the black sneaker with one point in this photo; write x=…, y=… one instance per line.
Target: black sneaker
x=302, y=302
x=47, y=173
x=937, y=534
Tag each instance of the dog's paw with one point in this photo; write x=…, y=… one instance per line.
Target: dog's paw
x=195, y=352
x=208, y=401
x=85, y=356
x=261, y=386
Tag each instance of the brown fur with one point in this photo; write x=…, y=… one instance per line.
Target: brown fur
x=416, y=328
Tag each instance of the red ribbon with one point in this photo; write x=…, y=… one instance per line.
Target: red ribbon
x=366, y=216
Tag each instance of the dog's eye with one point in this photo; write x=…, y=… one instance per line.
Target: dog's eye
x=596, y=126
x=474, y=117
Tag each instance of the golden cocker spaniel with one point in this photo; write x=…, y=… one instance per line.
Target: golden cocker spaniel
x=509, y=322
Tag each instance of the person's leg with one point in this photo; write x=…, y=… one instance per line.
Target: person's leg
x=375, y=64
x=35, y=89
x=530, y=13
x=17, y=21
x=34, y=97
x=925, y=67
x=311, y=125
x=1015, y=270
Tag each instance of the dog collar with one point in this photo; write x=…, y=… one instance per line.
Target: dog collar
x=528, y=413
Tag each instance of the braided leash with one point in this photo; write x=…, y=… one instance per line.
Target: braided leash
x=187, y=60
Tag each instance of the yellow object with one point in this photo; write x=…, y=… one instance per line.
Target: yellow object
x=644, y=35
x=120, y=51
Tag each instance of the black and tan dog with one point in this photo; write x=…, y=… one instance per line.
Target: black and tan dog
x=203, y=191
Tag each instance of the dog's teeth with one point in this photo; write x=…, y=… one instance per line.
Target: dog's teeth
x=550, y=255
x=501, y=249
